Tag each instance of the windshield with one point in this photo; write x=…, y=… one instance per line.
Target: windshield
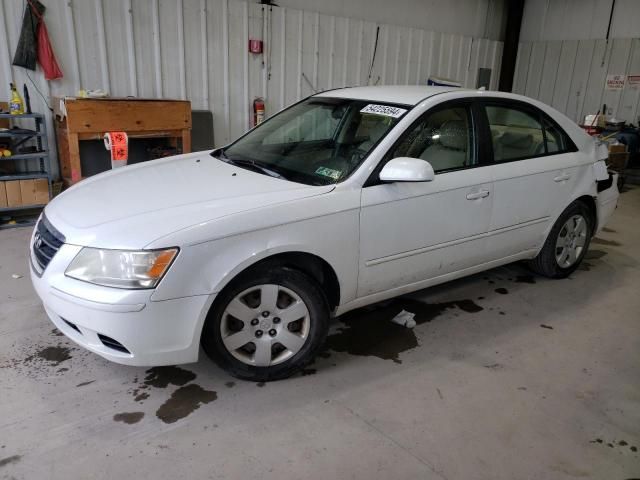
x=318, y=141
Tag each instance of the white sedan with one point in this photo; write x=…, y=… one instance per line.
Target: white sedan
x=346, y=198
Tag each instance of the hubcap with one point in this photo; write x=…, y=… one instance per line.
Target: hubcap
x=571, y=241
x=263, y=309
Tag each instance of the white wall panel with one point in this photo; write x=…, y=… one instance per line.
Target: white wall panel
x=579, y=79
x=570, y=75
x=146, y=48
x=630, y=99
x=620, y=50
x=120, y=76
x=563, y=75
x=478, y=18
x=579, y=19
x=198, y=50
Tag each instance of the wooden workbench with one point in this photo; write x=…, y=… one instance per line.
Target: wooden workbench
x=80, y=119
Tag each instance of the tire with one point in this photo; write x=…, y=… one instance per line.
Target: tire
x=555, y=260
x=270, y=342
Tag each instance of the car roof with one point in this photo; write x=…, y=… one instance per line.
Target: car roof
x=403, y=94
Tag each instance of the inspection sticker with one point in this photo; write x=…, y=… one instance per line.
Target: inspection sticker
x=385, y=110
x=329, y=172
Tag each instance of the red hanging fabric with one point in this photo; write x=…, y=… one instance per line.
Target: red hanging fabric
x=46, y=57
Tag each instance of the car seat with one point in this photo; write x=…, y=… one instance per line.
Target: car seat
x=451, y=149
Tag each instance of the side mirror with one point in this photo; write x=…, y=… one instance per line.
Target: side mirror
x=406, y=169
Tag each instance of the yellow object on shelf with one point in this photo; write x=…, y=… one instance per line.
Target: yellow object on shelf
x=16, y=105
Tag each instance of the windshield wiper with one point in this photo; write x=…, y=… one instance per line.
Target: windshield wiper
x=255, y=166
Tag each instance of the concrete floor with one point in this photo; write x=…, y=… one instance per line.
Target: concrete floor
x=506, y=376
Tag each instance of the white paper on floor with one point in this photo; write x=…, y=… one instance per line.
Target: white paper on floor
x=405, y=319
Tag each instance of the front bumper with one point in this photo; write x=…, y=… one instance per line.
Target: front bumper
x=152, y=333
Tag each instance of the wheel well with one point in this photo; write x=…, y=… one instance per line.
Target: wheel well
x=311, y=265
x=590, y=203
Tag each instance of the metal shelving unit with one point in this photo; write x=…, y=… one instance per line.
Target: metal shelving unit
x=18, y=138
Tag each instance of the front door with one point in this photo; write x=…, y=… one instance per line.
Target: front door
x=414, y=231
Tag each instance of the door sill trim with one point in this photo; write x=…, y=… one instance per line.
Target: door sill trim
x=412, y=287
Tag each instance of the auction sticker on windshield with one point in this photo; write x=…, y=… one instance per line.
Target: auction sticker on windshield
x=385, y=110
x=329, y=172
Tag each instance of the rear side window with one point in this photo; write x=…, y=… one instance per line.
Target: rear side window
x=519, y=133
x=515, y=133
x=557, y=140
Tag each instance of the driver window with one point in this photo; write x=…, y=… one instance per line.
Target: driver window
x=443, y=138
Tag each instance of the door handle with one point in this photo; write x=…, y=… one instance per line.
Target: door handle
x=562, y=178
x=478, y=194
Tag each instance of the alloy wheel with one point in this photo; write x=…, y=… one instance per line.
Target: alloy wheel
x=571, y=241
x=265, y=325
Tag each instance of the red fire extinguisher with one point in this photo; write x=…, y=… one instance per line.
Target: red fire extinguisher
x=258, y=111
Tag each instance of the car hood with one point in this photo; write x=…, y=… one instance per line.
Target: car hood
x=131, y=207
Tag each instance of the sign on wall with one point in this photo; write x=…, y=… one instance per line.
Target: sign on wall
x=633, y=80
x=615, y=82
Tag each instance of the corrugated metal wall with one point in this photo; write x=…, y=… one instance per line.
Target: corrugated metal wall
x=571, y=75
x=564, y=59
x=546, y=20
x=197, y=50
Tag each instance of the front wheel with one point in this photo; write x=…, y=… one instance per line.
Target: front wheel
x=267, y=325
x=567, y=243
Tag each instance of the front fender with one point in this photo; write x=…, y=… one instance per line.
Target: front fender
x=206, y=268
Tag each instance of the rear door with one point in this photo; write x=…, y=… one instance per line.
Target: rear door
x=414, y=231
x=534, y=170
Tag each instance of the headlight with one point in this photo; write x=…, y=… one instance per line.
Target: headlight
x=121, y=269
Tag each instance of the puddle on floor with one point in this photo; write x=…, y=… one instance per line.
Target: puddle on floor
x=585, y=265
x=594, y=254
x=620, y=444
x=370, y=332
x=9, y=460
x=162, y=377
x=525, y=279
x=183, y=402
x=54, y=355
x=128, y=417
x=602, y=241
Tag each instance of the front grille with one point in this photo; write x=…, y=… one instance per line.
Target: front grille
x=46, y=242
x=111, y=343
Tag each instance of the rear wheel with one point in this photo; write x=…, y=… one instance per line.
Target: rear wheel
x=566, y=244
x=267, y=325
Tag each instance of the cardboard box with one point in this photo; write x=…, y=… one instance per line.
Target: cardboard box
x=617, y=148
x=28, y=192
x=3, y=195
x=14, y=197
x=42, y=191
x=618, y=161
